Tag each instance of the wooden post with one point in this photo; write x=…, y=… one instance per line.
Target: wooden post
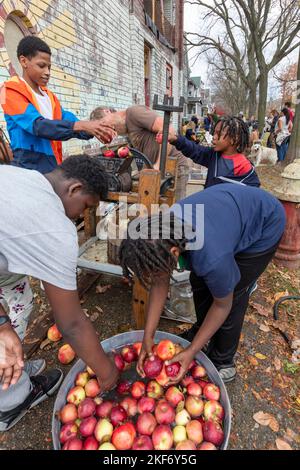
x=149, y=189
x=90, y=223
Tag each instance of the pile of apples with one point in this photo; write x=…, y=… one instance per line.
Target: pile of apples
x=145, y=414
x=122, y=152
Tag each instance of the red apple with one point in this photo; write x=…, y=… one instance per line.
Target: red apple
x=152, y=367
x=192, y=364
x=92, y=388
x=142, y=443
x=86, y=408
x=123, y=152
x=202, y=383
x=146, y=404
x=128, y=354
x=212, y=432
x=87, y=426
x=73, y=444
x=166, y=350
x=194, y=406
x=194, y=389
x=103, y=410
x=137, y=347
x=67, y=431
x=109, y=154
x=130, y=406
x=76, y=395
x=159, y=138
x=194, y=431
x=162, y=378
x=123, y=388
x=198, y=372
x=138, y=389
x=164, y=412
x=103, y=430
x=172, y=370
x=82, y=379
x=174, y=396
x=118, y=415
x=207, y=446
x=146, y=423
x=119, y=361
x=188, y=379
x=123, y=436
x=186, y=445
x=154, y=389
x=90, y=444
x=66, y=354
x=211, y=392
x=162, y=437
x=213, y=410
x=68, y=414
x=54, y=334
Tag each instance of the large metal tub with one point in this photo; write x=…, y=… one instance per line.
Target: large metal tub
x=131, y=337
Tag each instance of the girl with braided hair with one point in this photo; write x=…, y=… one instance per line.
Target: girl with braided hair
x=225, y=160
x=226, y=247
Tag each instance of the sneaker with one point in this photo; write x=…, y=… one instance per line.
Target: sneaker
x=33, y=368
x=227, y=374
x=253, y=288
x=43, y=387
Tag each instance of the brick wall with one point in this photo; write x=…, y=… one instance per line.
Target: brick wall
x=98, y=53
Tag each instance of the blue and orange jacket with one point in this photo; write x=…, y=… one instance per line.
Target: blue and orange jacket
x=221, y=169
x=35, y=141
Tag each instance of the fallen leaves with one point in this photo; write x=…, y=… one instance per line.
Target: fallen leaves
x=264, y=328
x=260, y=356
x=278, y=295
x=261, y=310
x=282, y=445
x=266, y=419
x=102, y=289
x=252, y=360
x=277, y=363
x=256, y=394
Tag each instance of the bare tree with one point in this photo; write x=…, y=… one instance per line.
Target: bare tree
x=272, y=23
x=226, y=85
x=269, y=29
x=233, y=41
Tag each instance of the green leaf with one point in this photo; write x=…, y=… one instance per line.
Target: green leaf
x=291, y=368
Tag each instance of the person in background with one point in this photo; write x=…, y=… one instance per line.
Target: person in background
x=288, y=105
x=208, y=122
x=271, y=140
x=283, y=131
x=254, y=135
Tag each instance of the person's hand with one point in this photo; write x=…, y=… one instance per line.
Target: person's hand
x=11, y=357
x=172, y=137
x=185, y=358
x=111, y=377
x=146, y=351
x=102, y=132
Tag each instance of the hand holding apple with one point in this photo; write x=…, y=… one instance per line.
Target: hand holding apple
x=146, y=351
x=184, y=358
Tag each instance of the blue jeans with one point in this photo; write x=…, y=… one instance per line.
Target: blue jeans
x=281, y=151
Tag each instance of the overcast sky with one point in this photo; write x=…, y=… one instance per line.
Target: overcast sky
x=193, y=23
